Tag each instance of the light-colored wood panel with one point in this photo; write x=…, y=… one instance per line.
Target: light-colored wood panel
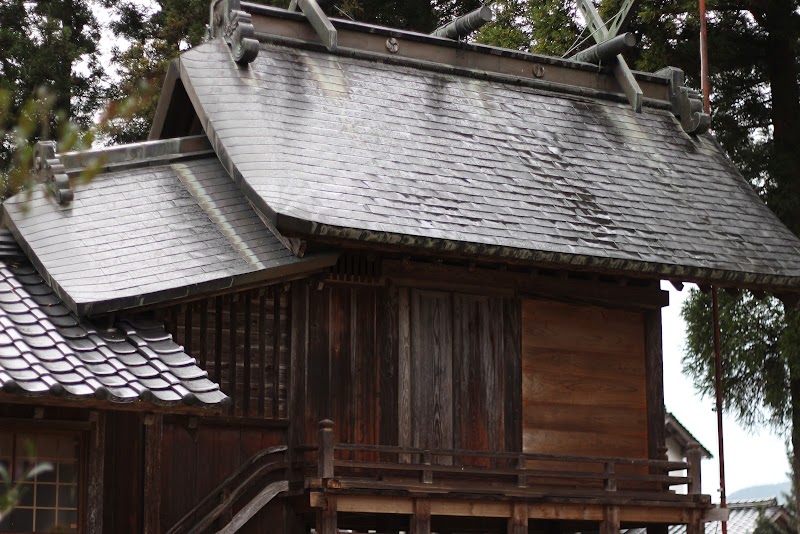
x=583, y=443
x=606, y=419
x=604, y=391
x=555, y=325
x=584, y=364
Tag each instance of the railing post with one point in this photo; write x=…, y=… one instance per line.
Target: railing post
x=427, y=474
x=693, y=457
x=522, y=478
x=610, y=480
x=325, y=449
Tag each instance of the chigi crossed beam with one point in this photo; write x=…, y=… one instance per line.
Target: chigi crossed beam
x=608, y=42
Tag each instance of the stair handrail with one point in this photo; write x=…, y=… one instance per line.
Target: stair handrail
x=183, y=524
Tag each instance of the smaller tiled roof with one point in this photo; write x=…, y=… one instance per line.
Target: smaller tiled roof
x=45, y=349
x=742, y=519
x=681, y=434
x=148, y=230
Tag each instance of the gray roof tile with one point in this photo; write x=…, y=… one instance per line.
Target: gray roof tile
x=491, y=167
x=38, y=356
x=130, y=237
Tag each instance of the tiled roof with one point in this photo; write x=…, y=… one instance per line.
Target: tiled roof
x=146, y=234
x=45, y=349
x=343, y=147
x=742, y=518
x=676, y=430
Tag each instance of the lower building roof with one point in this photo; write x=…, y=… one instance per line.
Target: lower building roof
x=148, y=232
x=46, y=350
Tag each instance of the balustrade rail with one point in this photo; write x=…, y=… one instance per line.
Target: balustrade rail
x=350, y=466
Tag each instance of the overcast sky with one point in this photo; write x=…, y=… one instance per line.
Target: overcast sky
x=751, y=457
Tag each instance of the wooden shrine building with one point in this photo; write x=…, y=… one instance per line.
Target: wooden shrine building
x=368, y=280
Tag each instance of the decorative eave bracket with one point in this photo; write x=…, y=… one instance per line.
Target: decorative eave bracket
x=50, y=171
x=601, y=34
x=227, y=20
x=319, y=21
x=687, y=104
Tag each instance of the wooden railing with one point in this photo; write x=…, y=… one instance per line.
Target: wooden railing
x=377, y=467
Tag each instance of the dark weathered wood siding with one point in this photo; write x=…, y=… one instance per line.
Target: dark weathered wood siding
x=395, y=365
x=243, y=344
x=195, y=460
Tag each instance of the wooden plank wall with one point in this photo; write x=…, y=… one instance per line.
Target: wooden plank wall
x=584, y=386
x=242, y=343
x=195, y=461
x=343, y=365
x=413, y=367
x=463, y=375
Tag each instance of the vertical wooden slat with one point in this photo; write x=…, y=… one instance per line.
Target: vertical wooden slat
x=340, y=357
x=366, y=369
x=388, y=340
x=296, y=412
x=96, y=474
x=233, y=312
x=512, y=365
x=152, y=473
x=461, y=342
x=262, y=351
x=276, y=350
x=286, y=344
x=248, y=302
x=188, y=327
x=495, y=414
x=218, y=310
x=318, y=405
x=203, y=333
x=431, y=371
x=404, y=371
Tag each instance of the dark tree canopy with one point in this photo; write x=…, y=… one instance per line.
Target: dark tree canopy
x=49, y=58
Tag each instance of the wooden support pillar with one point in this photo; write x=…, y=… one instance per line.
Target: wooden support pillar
x=96, y=473
x=610, y=523
x=421, y=520
x=326, y=517
x=153, y=432
x=518, y=522
x=696, y=525
x=325, y=467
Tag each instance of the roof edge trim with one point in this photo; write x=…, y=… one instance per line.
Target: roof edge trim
x=467, y=72
x=295, y=226
x=308, y=265
x=363, y=27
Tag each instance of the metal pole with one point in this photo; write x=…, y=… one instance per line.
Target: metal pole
x=705, y=82
x=718, y=389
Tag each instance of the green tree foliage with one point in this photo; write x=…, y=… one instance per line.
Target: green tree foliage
x=760, y=348
x=754, y=50
x=49, y=60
